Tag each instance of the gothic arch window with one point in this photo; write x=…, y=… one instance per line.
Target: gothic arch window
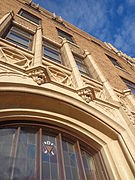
x=42, y=152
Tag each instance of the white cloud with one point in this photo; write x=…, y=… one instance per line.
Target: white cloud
x=131, y=2
x=104, y=19
x=125, y=39
x=120, y=9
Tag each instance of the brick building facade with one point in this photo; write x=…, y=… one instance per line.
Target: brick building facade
x=67, y=105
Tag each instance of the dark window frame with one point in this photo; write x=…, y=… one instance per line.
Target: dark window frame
x=27, y=15
x=65, y=35
x=114, y=62
x=80, y=62
x=51, y=49
x=19, y=36
x=130, y=85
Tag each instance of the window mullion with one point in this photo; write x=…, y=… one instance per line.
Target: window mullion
x=39, y=155
x=14, y=151
x=80, y=161
x=61, y=158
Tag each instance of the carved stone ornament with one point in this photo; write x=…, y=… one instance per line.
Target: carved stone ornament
x=126, y=108
x=59, y=76
x=87, y=94
x=13, y=56
x=39, y=75
x=128, y=112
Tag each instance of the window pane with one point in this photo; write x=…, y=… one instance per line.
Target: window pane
x=65, y=35
x=81, y=66
x=17, y=43
x=130, y=85
x=52, y=54
x=49, y=158
x=114, y=61
x=89, y=166
x=70, y=161
x=7, y=137
x=30, y=17
x=16, y=30
x=25, y=162
x=17, y=38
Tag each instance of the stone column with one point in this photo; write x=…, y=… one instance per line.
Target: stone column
x=100, y=76
x=38, y=47
x=5, y=22
x=71, y=61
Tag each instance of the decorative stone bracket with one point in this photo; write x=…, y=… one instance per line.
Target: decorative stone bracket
x=42, y=74
x=38, y=74
x=87, y=93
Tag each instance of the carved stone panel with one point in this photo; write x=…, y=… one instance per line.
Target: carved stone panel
x=59, y=76
x=13, y=56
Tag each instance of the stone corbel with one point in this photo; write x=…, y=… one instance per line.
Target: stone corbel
x=38, y=74
x=87, y=93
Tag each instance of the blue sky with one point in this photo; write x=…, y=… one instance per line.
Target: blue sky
x=108, y=20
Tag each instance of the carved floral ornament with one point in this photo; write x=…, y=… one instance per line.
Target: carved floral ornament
x=87, y=94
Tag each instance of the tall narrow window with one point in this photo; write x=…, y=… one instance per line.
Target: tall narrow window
x=130, y=85
x=49, y=157
x=88, y=166
x=81, y=66
x=70, y=160
x=19, y=37
x=51, y=52
x=115, y=62
x=7, y=141
x=29, y=16
x=65, y=35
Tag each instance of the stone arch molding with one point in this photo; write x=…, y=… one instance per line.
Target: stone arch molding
x=31, y=105
x=92, y=127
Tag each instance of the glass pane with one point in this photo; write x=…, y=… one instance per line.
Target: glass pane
x=114, y=61
x=7, y=137
x=17, y=43
x=70, y=161
x=53, y=55
x=20, y=32
x=89, y=166
x=30, y=17
x=49, y=158
x=18, y=38
x=132, y=89
x=65, y=35
x=82, y=68
x=25, y=162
